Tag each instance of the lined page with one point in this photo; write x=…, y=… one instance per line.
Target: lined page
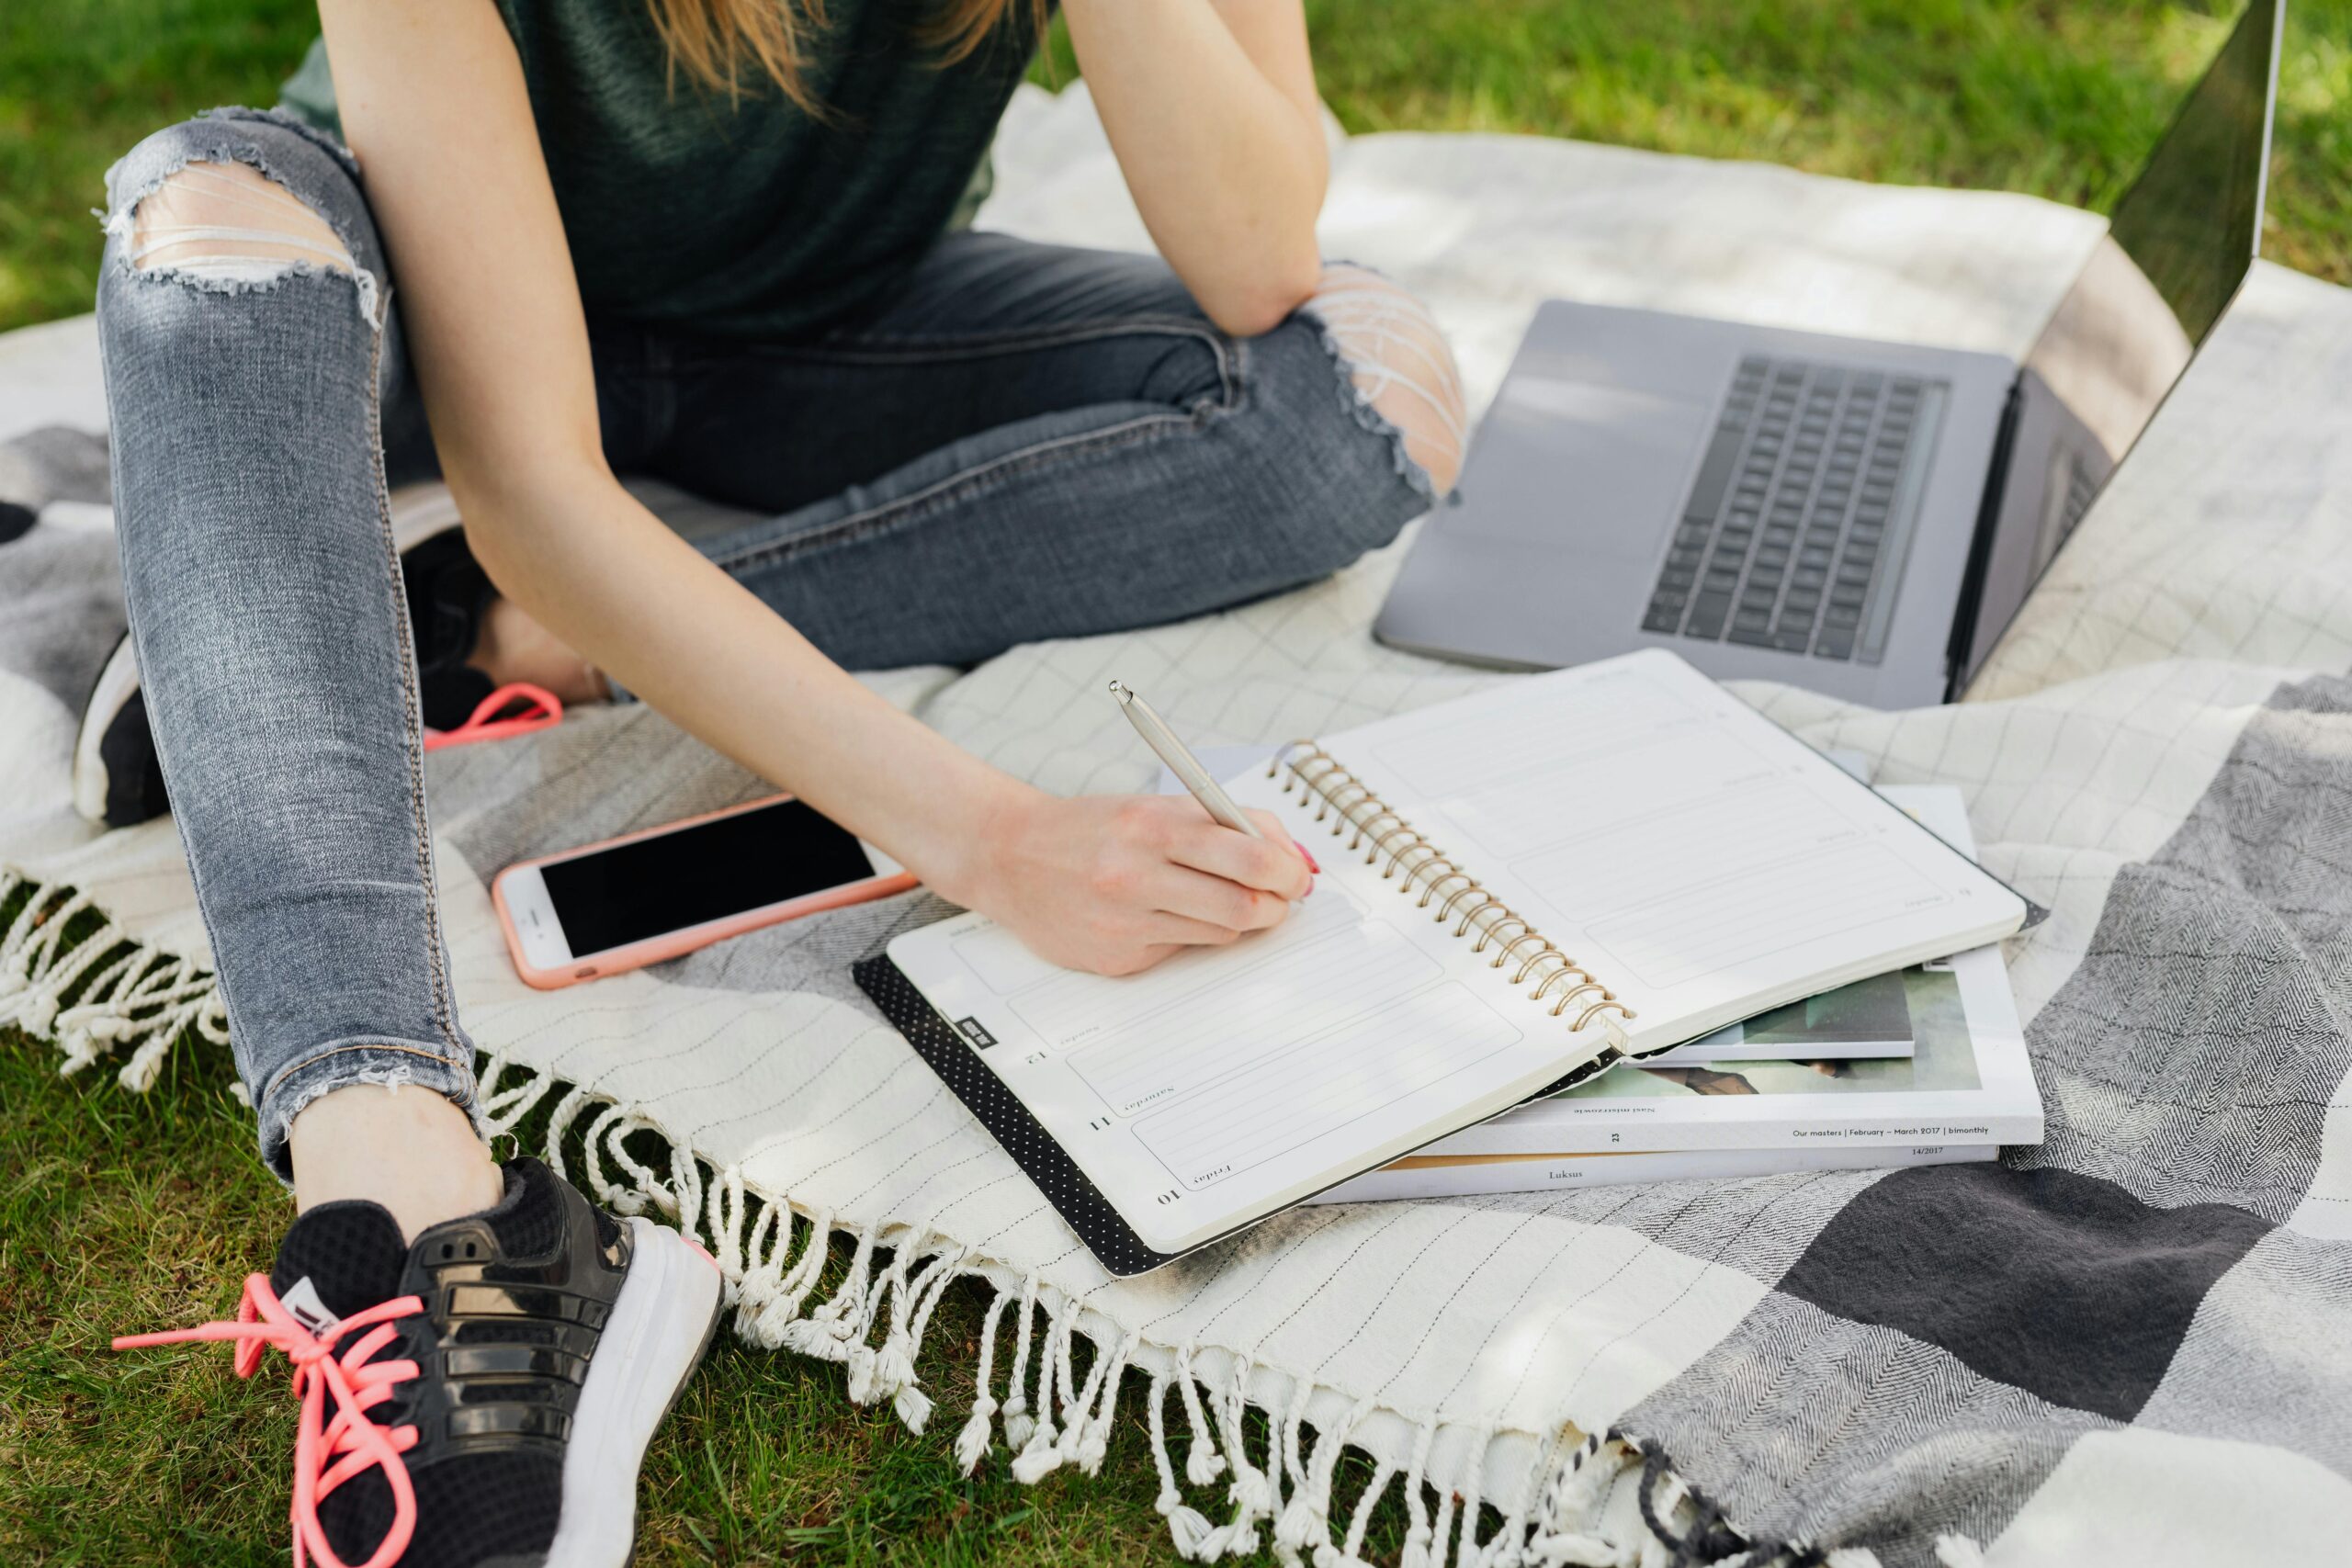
x=1272, y=1105
x=1227, y=1083
x=1687, y=851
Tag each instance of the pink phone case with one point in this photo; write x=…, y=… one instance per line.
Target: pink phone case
x=677, y=944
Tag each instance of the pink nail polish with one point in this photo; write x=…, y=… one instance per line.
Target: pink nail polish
x=1308, y=858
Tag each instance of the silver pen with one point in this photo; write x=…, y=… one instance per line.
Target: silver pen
x=1181, y=760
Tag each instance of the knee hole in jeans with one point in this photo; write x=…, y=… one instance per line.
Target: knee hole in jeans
x=1398, y=359
x=230, y=222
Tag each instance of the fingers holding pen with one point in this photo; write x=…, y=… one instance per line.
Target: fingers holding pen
x=1274, y=864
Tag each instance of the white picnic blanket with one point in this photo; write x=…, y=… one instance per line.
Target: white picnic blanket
x=1485, y=1352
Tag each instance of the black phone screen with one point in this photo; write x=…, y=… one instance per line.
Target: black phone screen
x=707, y=872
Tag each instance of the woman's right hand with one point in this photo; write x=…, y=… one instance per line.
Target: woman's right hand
x=1115, y=884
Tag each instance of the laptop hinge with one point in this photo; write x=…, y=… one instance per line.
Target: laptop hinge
x=1980, y=546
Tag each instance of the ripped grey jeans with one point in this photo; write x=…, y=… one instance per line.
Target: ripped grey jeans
x=1023, y=442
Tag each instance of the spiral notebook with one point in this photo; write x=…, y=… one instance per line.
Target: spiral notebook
x=1519, y=889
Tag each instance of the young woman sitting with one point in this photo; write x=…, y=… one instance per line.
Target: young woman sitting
x=721, y=242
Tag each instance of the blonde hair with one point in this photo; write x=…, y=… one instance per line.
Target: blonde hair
x=721, y=42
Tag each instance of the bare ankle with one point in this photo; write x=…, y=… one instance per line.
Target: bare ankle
x=408, y=1148
x=512, y=646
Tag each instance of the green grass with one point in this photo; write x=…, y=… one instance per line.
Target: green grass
x=2059, y=100
x=81, y=81
x=120, y=1212
x=2062, y=100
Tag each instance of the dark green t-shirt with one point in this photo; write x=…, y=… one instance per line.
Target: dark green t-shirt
x=750, y=218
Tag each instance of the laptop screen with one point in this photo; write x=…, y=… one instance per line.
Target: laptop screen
x=2182, y=240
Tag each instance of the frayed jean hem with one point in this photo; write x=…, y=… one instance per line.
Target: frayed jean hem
x=393, y=1064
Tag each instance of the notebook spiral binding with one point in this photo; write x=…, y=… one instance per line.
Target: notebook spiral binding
x=1355, y=810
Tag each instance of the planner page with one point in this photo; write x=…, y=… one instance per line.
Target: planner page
x=1227, y=1084
x=1683, y=848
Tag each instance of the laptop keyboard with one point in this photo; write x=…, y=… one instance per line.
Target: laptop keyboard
x=1795, y=529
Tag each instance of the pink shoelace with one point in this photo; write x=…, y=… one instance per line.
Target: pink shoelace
x=539, y=708
x=326, y=1452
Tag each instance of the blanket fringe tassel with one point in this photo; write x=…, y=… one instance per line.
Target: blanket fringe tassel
x=97, y=993
x=1609, y=1501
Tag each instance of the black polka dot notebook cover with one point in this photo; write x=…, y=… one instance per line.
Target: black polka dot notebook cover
x=1079, y=1201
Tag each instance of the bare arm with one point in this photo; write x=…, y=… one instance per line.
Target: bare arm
x=1211, y=107
x=434, y=103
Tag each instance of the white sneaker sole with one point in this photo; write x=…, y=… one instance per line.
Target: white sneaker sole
x=664, y=1317
x=116, y=684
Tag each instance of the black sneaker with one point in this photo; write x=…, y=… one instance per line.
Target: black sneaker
x=511, y=1366
x=117, y=780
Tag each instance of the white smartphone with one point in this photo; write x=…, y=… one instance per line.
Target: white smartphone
x=626, y=902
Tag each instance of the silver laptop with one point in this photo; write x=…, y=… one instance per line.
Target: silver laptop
x=1857, y=518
